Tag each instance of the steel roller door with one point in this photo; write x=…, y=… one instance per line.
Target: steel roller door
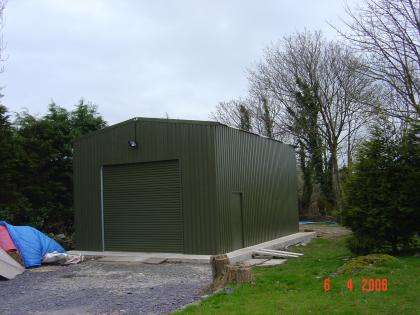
x=142, y=207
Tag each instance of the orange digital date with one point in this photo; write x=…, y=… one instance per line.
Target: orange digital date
x=368, y=285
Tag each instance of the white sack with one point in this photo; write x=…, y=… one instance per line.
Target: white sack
x=61, y=258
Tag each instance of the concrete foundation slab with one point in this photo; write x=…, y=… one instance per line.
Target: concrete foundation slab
x=242, y=254
x=108, y=256
x=121, y=259
x=278, y=243
x=154, y=261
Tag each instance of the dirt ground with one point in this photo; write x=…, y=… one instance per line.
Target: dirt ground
x=94, y=287
x=325, y=230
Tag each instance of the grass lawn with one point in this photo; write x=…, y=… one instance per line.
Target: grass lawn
x=298, y=287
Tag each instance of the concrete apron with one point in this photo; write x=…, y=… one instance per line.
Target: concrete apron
x=234, y=256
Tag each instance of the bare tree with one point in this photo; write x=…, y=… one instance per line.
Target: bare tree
x=388, y=32
x=265, y=114
x=231, y=113
x=336, y=77
x=262, y=112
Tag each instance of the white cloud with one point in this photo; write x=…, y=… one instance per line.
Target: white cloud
x=143, y=58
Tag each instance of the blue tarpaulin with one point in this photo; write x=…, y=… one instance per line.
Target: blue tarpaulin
x=31, y=244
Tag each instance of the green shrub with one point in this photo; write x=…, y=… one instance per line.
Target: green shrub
x=382, y=195
x=362, y=245
x=38, y=218
x=6, y=215
x=36, y=156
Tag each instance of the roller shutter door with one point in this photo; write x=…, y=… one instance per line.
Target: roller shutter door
x=142, y=207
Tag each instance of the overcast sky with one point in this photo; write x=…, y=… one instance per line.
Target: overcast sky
x=144, y=58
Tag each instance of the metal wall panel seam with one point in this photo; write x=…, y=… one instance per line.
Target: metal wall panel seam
x=102, y=208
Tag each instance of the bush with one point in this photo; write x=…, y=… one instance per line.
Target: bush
x=363, y=245
x=36, y=165
x=382, y=195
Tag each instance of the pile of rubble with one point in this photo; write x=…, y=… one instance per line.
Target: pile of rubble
x=24, y=247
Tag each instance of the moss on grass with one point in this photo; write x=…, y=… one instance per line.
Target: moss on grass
x=370, y=262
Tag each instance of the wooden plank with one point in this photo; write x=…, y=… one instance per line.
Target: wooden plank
x=271, y=255
x=267, y=253
x=9, y=268
x=282, y=252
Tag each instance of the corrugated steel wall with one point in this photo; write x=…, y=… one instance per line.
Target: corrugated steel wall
x=265, y=172
x=190, y=143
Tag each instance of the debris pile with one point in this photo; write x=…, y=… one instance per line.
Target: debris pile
x=266, y=257
x=25, y=245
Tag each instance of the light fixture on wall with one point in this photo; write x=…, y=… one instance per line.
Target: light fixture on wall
x=132, y=144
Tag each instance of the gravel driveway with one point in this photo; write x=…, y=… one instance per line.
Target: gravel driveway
x=94, y=287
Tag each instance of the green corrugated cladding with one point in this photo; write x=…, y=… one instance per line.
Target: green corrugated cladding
x=142, y=207
x=214, y=161
x=265, y=172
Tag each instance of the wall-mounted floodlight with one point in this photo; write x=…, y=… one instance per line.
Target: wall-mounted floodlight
x=132, y=144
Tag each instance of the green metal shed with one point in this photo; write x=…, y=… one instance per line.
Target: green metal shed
x=194, y=187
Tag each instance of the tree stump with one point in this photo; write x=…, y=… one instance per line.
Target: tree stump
x=218, y=266
x=239, y=274
x=224, y=273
